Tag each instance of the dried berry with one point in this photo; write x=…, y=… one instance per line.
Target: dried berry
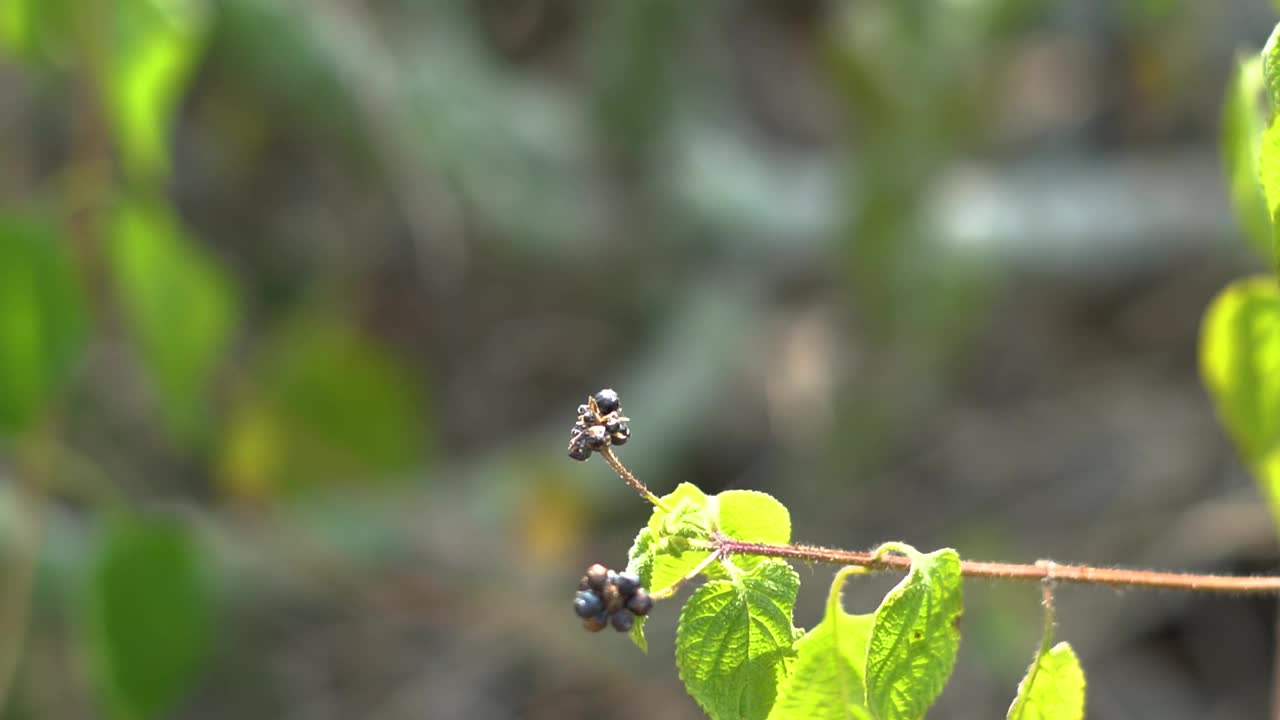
x=596, y=623
x=627, y=583
x=613, y=600
x=621, y=431
x=587, y=603
x=623, y=621
x=595, y=437
x=606, y=401
x=578, y=450
x=640, y=603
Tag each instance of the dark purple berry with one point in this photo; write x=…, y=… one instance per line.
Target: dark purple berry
x=595, y=437
x=619, y=439
x=606, y=401
x=623, y=621
x=596, y=623
x=597, y=577
x=613, y=600
x=578, y=450
x=627, y=583
x=587, y=603
x=640, y=603
x=584, y=411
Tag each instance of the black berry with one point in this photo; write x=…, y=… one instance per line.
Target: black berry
x=584, y=411
x=595, y=437
x=578, y=450
x=627, y=583
x=596, y=623
x=597, y=577
x=606, y=401
x=587, y=603
x=640, y=603
x=623, y=621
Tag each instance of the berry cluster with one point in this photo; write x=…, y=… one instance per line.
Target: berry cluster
x=613, y=598
x=600, y=424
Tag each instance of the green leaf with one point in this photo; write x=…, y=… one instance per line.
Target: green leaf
x=148, y=615
x=1241, y=142
x=659, y=554
x=751, y=517
x=41, y=319
x=828, y=682
x=914, y=638
x=734, y=641
x=324, y=405
x=156, y=45
x=180, y=306
x=37, y=30
x=1240, y=364
x=1053, y=688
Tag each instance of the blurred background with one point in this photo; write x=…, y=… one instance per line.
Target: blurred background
x=297, y=299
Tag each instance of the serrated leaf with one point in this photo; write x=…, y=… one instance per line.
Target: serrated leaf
x=734, y=641
x=181, y=308
x=1243, y=122
x=41, y=319
x=828, y=681
x=914, y=638
x=658, y=560
x=1240, y=364
x=1053, y=688
x=751, y=516
x=156, y=45
x=148, y=617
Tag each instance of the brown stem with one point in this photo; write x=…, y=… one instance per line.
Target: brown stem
x=1041, y=571
x=607, y=453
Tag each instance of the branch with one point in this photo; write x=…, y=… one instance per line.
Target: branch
x=1044, y=570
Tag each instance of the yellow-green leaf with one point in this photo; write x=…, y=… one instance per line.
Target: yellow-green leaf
x=1240, y=364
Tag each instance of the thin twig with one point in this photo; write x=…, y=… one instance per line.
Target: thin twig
x=607, y=453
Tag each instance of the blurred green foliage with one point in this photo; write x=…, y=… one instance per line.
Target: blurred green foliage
x=207, y=299
x=147, y=612
x=42, y=322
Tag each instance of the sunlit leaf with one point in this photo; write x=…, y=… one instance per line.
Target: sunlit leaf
x=828, y=682
x=181, y=308
x=914, y=640
x=1053, y=688
x=41, y=319
x=1241, y=142
x=1240, y=364
x=149, y=617
x=658, y=556
x=734, y=641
